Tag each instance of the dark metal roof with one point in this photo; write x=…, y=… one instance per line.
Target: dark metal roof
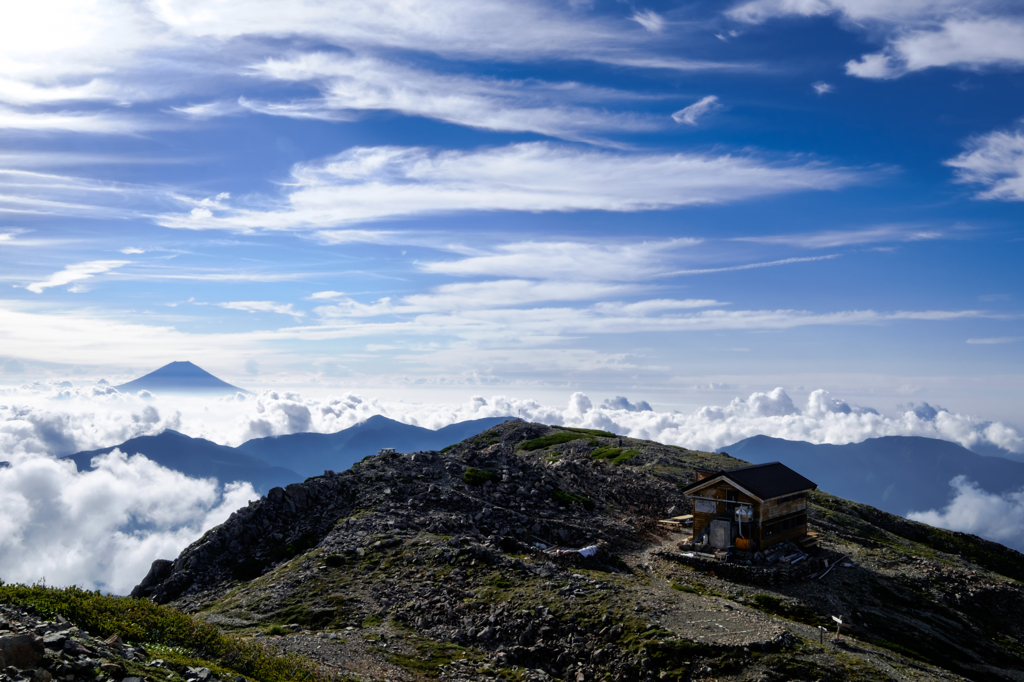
x=764, y=480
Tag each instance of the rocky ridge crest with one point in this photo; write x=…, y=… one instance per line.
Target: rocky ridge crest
x=441, y=565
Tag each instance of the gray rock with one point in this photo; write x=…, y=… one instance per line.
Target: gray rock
x=55, y=640
x=21, y=651
x=159, y=572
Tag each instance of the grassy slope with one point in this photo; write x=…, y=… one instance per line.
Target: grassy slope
x=173, y=635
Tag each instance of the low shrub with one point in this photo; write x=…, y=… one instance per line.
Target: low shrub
x=625, y=457
x=606, y=453
x=548, y=441
x=474, y=476
x=141, y=621
x=565, y=499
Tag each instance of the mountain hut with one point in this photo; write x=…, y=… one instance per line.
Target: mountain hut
x=751, y=507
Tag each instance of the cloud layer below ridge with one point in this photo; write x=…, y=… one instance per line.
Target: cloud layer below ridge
x=101, y=529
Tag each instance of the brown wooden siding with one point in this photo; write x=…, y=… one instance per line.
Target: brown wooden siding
x=702, y=520
x=782, y=528
x=775, y=520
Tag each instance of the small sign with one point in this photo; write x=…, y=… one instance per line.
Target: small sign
x=705, y=506
x=838, y=619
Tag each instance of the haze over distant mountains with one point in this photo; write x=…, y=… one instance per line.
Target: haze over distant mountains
x=198, y=458
x=312, y=453
x=898, y=474
x=179, y=377
x=280, y=460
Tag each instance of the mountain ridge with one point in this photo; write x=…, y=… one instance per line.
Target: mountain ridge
x=279, y=460
x=432, y=564
x=899, y=474
x=197, y=458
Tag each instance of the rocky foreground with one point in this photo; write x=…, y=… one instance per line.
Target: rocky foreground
x=460, y=565
x=33, y=649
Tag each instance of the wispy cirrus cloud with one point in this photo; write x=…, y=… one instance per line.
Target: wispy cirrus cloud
x=482, y=29
x=75, y=273
x=371, y=183
x=95, y=59
x=263, y=307
x=98, y=122
x=994, y=340
x=650, y=20
x=35, y=192
x=464, y=318
x=920, y=34
x=352, y=84
x=569, y=260
x=830, y=239
x=697, y=110
x=995, y=160
x=753, y=266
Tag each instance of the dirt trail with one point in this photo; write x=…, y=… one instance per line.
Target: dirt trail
x=702, y=618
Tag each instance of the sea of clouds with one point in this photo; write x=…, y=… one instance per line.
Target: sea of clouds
x=102, y=528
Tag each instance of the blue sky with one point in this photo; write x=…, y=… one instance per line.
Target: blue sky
x=681, y=202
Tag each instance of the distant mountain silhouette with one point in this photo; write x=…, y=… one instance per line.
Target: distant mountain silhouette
x=179, y=377
x=198, y=458
x=896, y=473
x=312, y=453
x=280, y=460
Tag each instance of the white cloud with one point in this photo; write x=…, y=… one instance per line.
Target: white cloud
x=621, y=403
x=74, y=273
x=758, y=11
x=830, y=239
x=690, y=114
x=102, y=529
x=489, y=29
x=78, y=337
x=213, y=109
x=65, y=419
x=124, y=52
x=474, y=317
x=976, y=511
x=650, y=20
x=972, y=43
x=920, y=33
x=994, y=340
x=132, y=251
x=483, y=296
x=371, y=183
x=627, y=262
x=995, y=160
x=36, y=193
x=96, y=59
x=752, y=266
x=325, y=295
x=352, y=84
x=823, y=88
x=73, y=528
x=73, y=121
x=262, y=307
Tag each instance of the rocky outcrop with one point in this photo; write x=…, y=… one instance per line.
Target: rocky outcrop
x=460, y=565
x=565, y=498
